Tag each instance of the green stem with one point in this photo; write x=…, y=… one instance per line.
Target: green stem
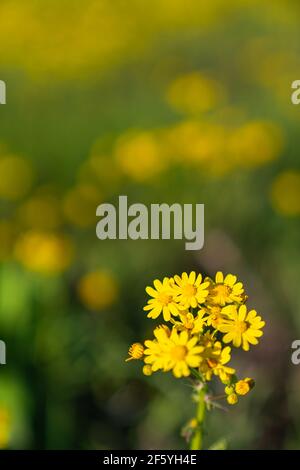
x=196, y=441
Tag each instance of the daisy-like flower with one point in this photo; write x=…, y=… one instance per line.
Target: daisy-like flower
x=214, y=361
x=226, y=290
x=194, y=324
x=190, y=290
x=216, y=316
x=162, y=300
x=177, y=352
x=243, y=328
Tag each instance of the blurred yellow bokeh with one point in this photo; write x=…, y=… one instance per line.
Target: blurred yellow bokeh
x=140, y=155
x=5, y=427
x=41, y=212
x=195, y=93
x=255, y=143
x=285, y=193
x=16, y=177
x=97, y=290
x=44, y=252
x=80, y=203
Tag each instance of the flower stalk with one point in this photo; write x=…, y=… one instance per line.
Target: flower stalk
x=197, y=438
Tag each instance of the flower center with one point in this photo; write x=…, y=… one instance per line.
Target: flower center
x=188, y=321
x=178, y=353
x=212, y=363
x=215, y=311
x=164, y=298
x=189, y=290
x=241, y=326
x=222, y=290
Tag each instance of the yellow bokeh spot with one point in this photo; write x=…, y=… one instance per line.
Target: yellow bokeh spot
x=140, y=155
x=97, y=290
x=285, y=193
x=102, y=170
x=41, y=212
x=195, y=93
x=255, y=143
x=16, y=177
x=147, y=370
x=5, y=427
x=45, y=253
x=80, y=203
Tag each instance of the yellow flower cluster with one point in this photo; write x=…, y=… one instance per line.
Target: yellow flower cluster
x=204, y=318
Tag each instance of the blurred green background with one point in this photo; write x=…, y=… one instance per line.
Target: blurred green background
x=182, y=101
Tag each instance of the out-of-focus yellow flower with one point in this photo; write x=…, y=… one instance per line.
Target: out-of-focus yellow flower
x=140, y=155
x=5, y=427
x=16, y=177
x=255, y=144
x=285, y=193
x=41, y=212
x=195, y=142
x=102, y=170
x=80, y=203
x=97, y=290
x=7, y=234
x=195, y=93
x=45, y=253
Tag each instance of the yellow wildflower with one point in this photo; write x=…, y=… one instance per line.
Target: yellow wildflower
x=162, y=300
x=178, y=353
x=216, y=315
x=242, y=387
x=242, y=328
x=136, y=351
x=214, y=362
x=190, y=290
x=147, y=369
x=229, y=389
x=194, y=324
x=232, y=399
x=225, y=290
